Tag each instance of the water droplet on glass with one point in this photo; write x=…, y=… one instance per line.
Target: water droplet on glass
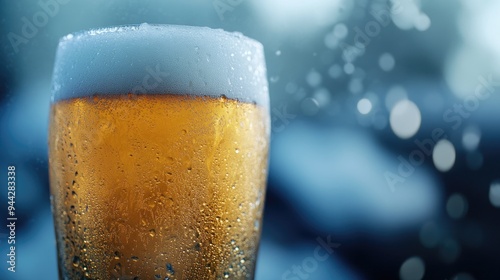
x=118, y=268
x=76, y=261
x=170, y=268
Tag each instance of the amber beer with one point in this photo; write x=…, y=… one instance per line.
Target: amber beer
x=166, y=184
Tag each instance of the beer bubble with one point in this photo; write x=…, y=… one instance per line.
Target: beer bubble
x=134, y=258
x=152, y=232
x=226, y=275
x=256, y=225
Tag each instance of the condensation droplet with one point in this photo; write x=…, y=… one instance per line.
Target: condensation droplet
x=170, y=268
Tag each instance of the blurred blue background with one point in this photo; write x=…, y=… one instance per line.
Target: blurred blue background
x=385, y=126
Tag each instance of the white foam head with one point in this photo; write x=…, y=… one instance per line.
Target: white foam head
x=159, y=59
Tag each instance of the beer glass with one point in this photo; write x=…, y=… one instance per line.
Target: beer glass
x=158, y=153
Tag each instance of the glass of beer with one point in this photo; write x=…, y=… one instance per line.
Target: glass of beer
x=158, y=153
